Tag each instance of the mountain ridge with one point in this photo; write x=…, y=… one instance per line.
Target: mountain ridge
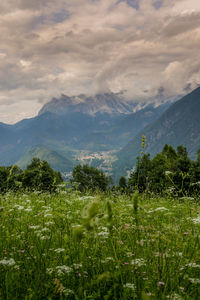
x=111, y=103
x=179, y=124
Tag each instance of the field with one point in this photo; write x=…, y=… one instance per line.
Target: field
x=69, y=246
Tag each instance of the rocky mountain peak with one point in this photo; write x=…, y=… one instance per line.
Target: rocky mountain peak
x=101, y=103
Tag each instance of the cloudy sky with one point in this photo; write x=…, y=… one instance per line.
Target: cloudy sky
x=149, y=48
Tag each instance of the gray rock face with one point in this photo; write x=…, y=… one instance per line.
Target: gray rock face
x=104, y=103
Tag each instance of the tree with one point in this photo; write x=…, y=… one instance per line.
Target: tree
x=122, y=184
x=40, y=176
x=4, y=172
x=140, y=177
x=86, y=178
x=14, y=180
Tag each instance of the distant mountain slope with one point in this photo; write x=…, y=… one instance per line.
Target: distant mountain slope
x=180, y=124
x=57, y=161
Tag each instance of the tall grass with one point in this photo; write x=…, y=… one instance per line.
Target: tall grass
x=69, y=246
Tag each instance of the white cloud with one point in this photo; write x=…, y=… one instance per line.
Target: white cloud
x=85, y=46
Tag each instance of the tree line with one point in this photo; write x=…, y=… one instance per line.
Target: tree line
x=38, y=176
x=170, y=171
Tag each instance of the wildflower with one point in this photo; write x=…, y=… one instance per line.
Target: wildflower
x=161, y=209
x=34, y=226
x=68, y=292
x=61, y=270
x=48, y=216
x=49, y=223
x=194, y=280
x=174, y=297
x=7, y=262
x=138, y=262
x=167, y=173
x=196, y=220
x=19, y=207
x=187, y=198
x=178, y=254
x=107, y=259
x=104, y=232
x=59, y=250
x=129, y=286
x=192, y=265
x=77, y=266
x=86, y=197
x=43, y=237
x=28, y=209
x=160, y=283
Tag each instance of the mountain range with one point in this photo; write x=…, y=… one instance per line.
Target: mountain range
x=178, y=125
x=67, y=125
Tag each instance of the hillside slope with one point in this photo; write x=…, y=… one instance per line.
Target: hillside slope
x=57, y=161
x=179, y=125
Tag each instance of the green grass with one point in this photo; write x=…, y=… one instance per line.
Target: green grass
x=69, y=246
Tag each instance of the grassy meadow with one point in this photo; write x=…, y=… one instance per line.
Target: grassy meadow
x=70, y=246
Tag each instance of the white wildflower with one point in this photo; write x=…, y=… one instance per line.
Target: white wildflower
x=174, y=297
x=168, y=173
x=44, y=237
x=50, y=223
x=7, y=262
x=129, y=286
x=19, y=207
x=161, y=209
x=68, y=292
x=77, y=266
x=28, y=209
x=180, y=254
x=59, y=250
x=196, y=220
x=192, y=265
x=61, y=270
x=48, y=216
x=187, y=198
x=34, y=226
x=86, y=198
x=107, y=259
x=138, y=262
x=103, y=232
x=194, y=280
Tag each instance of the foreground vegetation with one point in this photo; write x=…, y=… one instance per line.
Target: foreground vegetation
x=105, y=246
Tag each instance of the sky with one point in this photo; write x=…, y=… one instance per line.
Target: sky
x=150, y=49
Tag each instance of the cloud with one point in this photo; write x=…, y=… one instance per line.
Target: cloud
x=149, y=48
